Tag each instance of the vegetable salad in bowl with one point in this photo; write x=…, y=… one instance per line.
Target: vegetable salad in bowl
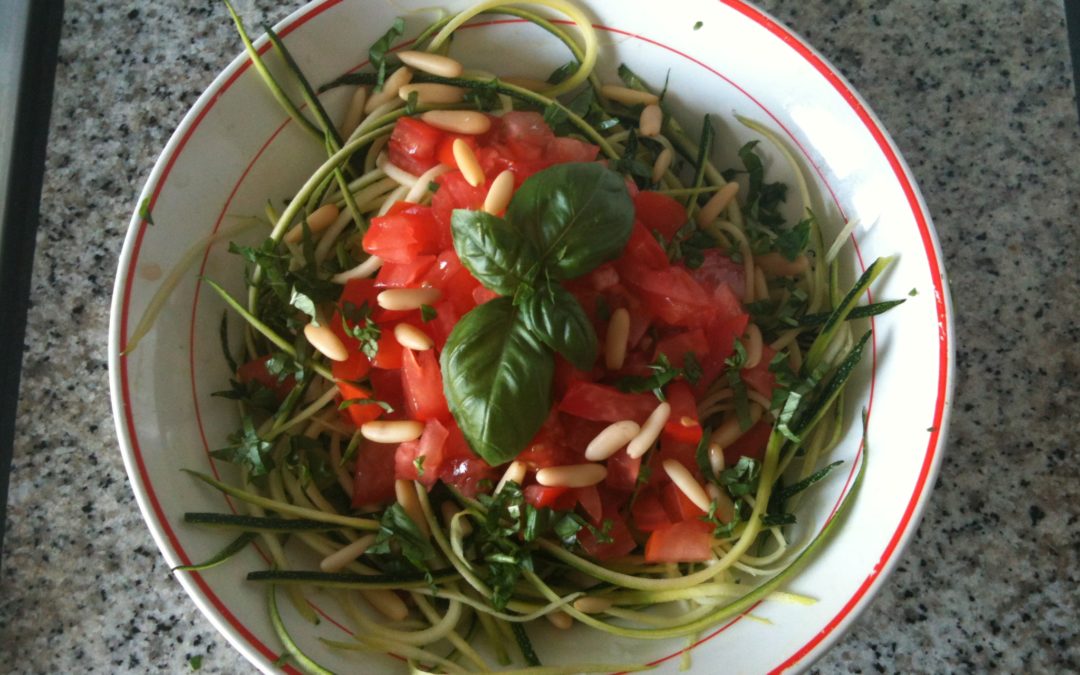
x=519, y=355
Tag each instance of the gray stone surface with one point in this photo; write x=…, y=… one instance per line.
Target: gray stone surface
x=978, y=95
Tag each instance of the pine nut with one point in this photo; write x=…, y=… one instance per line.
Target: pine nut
x=498, y=196
x=467, y=163
x=391, y=86
x=628, y=96
x=560, y=620
x=436, y=64
x=326, y=342
x=611, y=440
x=652, y=118
x=662, y=164
x=355, y=112
x=615, y=344
x=752, y=341
x=716, y=458
x=530, y=83
x=411, y=337
x=387, y=603
x=392, y=431
x=592, y=605
x=514, y=473
x=574, y=475
x=761, y=287
x=337, y=560
x=650, y=431
x=778, y=266
x=404, y=299
x=725, y=508
x=405, y=492
x=428, y=93
x=458, y=121
x=729, y=430
x=684, y=480
x=319, y=219
x=717, y=203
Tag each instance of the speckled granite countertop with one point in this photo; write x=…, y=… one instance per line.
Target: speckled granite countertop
x=978, y=96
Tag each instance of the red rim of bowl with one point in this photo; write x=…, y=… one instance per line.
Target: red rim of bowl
x=243, y=638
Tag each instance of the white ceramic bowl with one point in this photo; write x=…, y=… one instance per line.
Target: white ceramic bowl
x=235, y=148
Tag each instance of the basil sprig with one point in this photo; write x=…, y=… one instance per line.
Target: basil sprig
x=499, y=361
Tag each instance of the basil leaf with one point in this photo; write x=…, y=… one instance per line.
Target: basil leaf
x=495, y=251
x=378, y=50
x=497, y=379
x=557, y=318
x=578, y=216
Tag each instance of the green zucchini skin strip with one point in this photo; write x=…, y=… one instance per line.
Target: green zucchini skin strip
x=859, y=312
x=346, y=580
x=257, y=523
x=302, y=659
x=234, y=547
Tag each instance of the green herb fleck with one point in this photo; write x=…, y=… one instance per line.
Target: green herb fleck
x=377, y=52
x=698, y=25
x=428, y=313
x=144, y=211
x=195, y=662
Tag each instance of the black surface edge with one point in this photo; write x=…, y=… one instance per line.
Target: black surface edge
x=20, y=218
x=1072, y=26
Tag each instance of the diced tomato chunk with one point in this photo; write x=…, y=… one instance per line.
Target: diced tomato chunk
x=642, y=250
x=404, y=274
x=404, y=235
x=373, y=479
x=553, y=497
x=672, y=295
x=659, y=212
x=760, y=378
x=751, y=444
x=678, y=345
x=421, y=380
x=678, y=505
x=563, y=149
x=721, y=334
x=622, y=542
x=427, y=452
x=358, y=413
x=717, y=270
x=414, y=145
x=589, y=499
x=606, y=404
x=682, y=424
x=688, y=541
x=256, y=371
x=455, y=193
x=388, y=356
x=648, y=512
x=387, y=388
x=623, y=471
x=468, y=474
x=548, y=446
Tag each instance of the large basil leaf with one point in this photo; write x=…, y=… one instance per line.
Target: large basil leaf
x=557, y=318
x=497, y=379
x=496, y=252
x=578, y=215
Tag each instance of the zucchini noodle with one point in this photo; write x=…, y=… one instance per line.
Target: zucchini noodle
x=441, y=569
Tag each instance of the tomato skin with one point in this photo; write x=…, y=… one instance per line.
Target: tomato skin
x=413, y=145
x=683, y=408
x=256, y=371
x=421, y=381
x=751, y=444
x=403, y=235
x=429, y=447
x=688, y=541
x=589, y=499
x=648, y=512
x=358, y=413
x=659, y=212
x=602, y=403
x=373, y=479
